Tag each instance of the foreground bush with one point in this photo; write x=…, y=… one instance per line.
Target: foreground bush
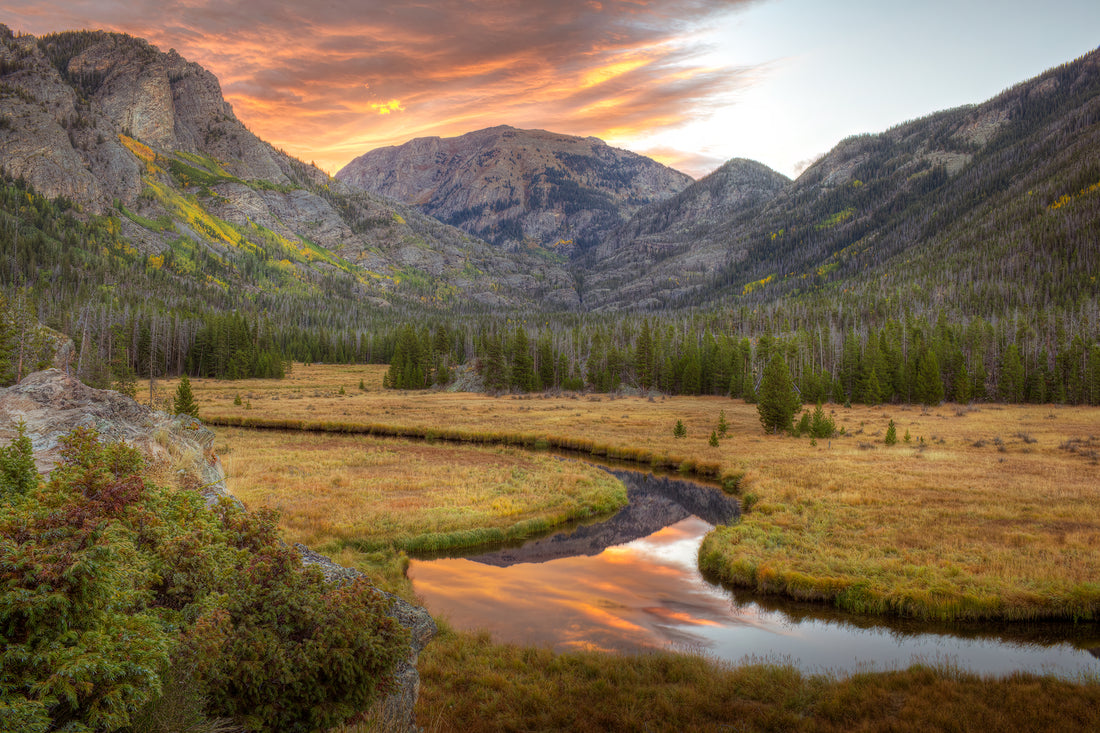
x=109, y=587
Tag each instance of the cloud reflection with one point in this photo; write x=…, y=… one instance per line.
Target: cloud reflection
x=642, y=595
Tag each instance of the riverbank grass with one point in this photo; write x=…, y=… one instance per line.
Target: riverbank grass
x=988, y=511
x=363, y=499
x=468, y=683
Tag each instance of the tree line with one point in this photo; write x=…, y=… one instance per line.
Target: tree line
x=908, y=361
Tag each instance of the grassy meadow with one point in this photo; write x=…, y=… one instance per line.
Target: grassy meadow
x=987, y=511
x=360, y=499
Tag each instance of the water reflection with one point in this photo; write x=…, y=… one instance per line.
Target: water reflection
x=655, y=502
x=647, y=593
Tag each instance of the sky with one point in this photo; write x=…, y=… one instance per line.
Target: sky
x=691, y=83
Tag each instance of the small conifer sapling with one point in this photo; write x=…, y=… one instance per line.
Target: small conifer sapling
x=185, y=400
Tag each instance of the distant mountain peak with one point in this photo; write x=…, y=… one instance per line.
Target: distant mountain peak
x=516, y=187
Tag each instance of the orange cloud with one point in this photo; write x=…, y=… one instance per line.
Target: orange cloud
x=323, y=81
x=386, y=108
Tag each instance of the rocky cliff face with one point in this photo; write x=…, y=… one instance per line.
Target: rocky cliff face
x=120, y=128
x=51, y=404
x=667, y=246
x=518, y=187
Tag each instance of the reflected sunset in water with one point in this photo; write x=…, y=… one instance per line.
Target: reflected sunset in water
x=648, y=595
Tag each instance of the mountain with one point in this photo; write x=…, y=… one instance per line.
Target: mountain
x=110, y=124
x=954, y=210
x=518, y=187
x=685, y=232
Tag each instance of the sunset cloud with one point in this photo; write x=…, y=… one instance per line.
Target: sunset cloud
x=325, y=80
x=387, y=107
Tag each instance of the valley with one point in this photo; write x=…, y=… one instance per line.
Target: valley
x=433, y=351
x=984, y=513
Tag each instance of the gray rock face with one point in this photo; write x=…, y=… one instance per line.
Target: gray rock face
x=515, y=187
x=106, y=119
x=670, y=246
x=52, y=404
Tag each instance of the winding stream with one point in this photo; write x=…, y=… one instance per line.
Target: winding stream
x=631, y=583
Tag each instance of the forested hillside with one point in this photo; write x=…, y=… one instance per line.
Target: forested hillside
x=952, y=257
x=139, y=216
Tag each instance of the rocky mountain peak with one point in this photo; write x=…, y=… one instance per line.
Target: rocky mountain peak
x=516, y=187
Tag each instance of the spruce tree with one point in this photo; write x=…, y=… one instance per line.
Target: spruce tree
x=496, y=380
x=929, y=389
x=523, y=366
x=1011, y=384
x=777, y=401
x=821, y=425
x=185, y=400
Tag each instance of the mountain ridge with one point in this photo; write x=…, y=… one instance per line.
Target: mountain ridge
x=516, y=187
x=110, y=123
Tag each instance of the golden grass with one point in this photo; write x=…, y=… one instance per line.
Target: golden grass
x=348, y=491
x=472, y=684
x=981, y=514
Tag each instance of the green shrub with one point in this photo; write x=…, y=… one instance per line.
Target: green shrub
x=185, y=399
x=110, y=587
x=18, y=475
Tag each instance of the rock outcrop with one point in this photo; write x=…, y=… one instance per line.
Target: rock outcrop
x=398, y=710
x=50, y=404
x=518, y=187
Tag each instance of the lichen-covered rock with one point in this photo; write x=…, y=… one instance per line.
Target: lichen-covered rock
x=51, y=404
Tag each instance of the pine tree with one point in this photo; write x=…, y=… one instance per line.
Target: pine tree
x=962, y=385
x=679, y=431
x=929, y=389
x=723, y=426
x=493, y=369
x=778, y=400
x=523, y=365
x=713, y=439
x=872, y=388
x=185, y=400
x=821, y=425
x=891, y=434
x=18, y=474
x=1011, y=383
x=643, y=357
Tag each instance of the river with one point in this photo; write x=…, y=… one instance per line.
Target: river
x=631, y=583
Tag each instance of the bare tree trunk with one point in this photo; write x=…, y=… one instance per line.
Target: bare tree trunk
x=152, y=358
